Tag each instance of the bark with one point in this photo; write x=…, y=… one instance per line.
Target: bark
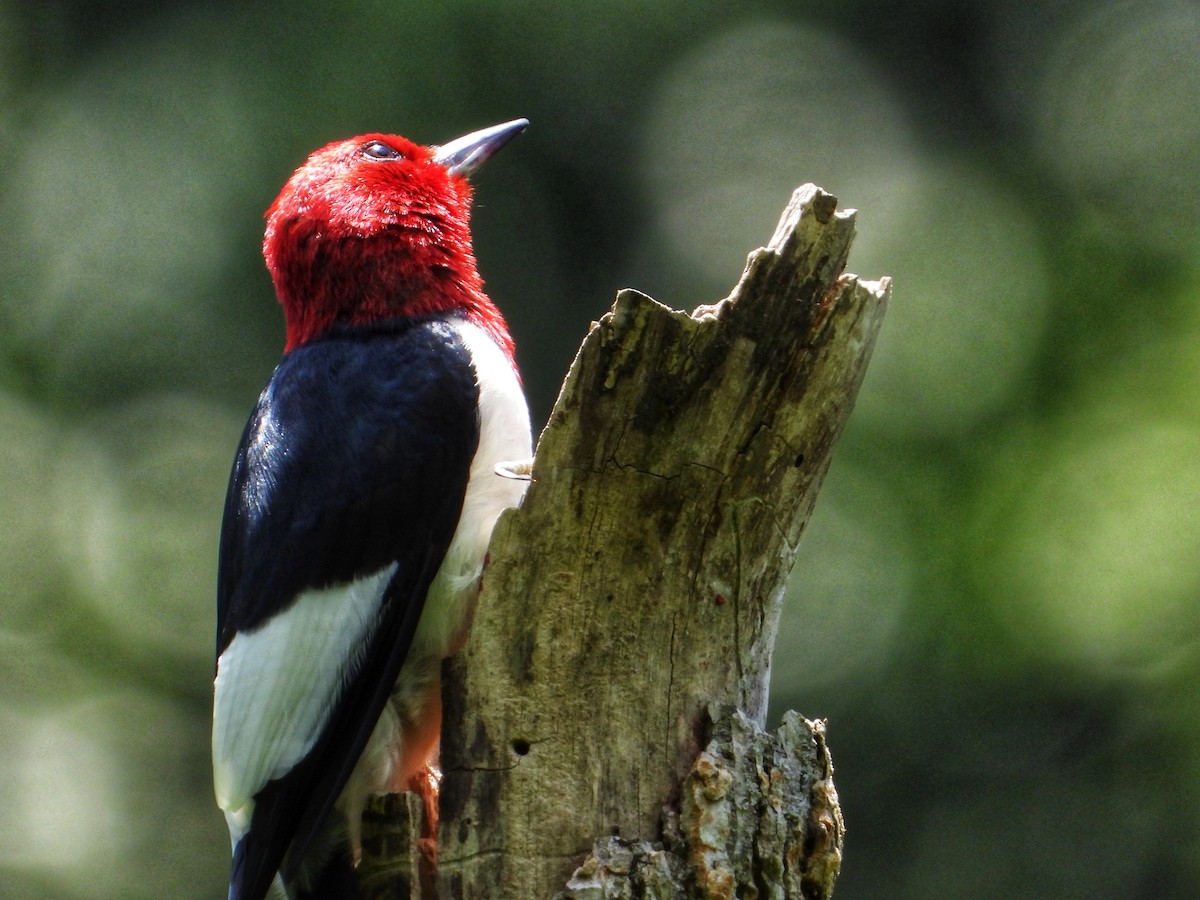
x=603, y=725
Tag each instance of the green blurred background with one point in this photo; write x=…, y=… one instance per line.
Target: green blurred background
x=996, y=604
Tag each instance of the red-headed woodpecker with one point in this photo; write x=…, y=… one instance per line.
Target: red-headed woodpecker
x=361, y=503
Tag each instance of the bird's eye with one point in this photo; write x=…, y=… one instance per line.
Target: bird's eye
x=379, y=150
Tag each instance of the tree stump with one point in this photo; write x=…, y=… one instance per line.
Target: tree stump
x=605, y=714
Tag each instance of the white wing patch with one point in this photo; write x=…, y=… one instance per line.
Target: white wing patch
x=277, y=685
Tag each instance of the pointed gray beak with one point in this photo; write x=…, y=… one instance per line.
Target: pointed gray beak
x=464, y=155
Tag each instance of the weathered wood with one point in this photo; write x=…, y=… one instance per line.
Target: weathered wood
x=640, y=583
x=758, y=817
x=395, y=853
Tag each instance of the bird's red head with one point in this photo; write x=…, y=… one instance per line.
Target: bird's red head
x=377, y=227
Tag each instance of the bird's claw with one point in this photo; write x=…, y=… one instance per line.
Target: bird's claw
x=517, y=469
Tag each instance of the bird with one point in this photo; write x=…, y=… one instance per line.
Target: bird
x=390, y=437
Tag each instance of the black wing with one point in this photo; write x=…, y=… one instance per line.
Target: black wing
x=355, y=459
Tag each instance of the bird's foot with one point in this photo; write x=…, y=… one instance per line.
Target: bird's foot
x=517, y=469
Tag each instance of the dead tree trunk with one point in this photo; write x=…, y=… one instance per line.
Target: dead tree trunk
x=602, y=733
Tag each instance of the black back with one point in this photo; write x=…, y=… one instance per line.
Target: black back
x=356, y=456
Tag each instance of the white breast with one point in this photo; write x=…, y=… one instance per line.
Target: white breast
x=504, y=436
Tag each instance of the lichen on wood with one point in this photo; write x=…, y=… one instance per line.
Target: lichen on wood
x=758, y=817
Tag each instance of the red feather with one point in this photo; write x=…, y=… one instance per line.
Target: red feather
x=352, y=240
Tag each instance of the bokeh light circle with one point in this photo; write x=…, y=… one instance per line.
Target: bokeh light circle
x=850, y=586
x=756, y=110
x=738, y=123
x=969, y=304
x=1116, y=117
x=118, y=199
x=139, y=524
x=1088, y=549
x=104, y=790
